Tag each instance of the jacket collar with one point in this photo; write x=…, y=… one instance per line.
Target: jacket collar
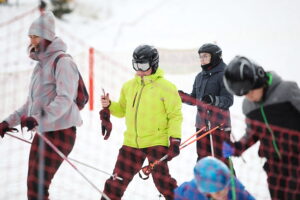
x=151, y=78
x=219, y=68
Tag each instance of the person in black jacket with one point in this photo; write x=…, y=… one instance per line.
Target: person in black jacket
x=209, y=88
x=272, y=109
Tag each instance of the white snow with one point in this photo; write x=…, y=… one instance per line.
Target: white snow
x=266, y=31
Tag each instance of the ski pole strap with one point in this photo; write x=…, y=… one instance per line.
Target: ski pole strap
x=149, y=168
x=270, y=130
x=146, y=171
x=141, y=176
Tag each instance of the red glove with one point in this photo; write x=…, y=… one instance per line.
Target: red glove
x=106, y=125
x=4, y=127
x=173, y=150
x=29, y=122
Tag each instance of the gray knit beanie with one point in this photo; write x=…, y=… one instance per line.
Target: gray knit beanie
x=44, y=26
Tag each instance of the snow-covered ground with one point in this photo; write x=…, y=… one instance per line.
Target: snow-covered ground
x=266, y=31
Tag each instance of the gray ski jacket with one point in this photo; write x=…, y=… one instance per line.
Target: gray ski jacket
x=51, y=98
x=281, y=103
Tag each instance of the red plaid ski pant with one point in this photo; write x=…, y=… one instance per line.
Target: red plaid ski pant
x=204, y=147
x=129, y=163
x=64, y=140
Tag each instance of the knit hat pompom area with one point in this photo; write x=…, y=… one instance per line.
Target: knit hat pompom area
x=44, y=26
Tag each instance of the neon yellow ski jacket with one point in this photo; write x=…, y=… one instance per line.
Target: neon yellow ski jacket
x=152, y=109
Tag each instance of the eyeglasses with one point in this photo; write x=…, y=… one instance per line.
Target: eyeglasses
x=204, y=57
x=140, y=66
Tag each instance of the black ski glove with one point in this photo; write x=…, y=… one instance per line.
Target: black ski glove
x=106, y=125
x=209, y=99
x=173, y=150
x=29, y=122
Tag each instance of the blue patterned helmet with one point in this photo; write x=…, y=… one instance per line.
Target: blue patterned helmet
x=211, y=175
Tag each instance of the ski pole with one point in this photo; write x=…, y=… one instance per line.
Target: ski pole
x=114, y=176
x=72, y=165
x=208, y=112
x=200, y=130
x=203, y=135
x=77, y=161
x=149, y=168
x=18, y=138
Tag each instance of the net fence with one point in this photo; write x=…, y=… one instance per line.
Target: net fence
x=82, y=162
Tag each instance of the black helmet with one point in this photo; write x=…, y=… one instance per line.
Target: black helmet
x=215, y=51
x=242, y=75
x=146, y=54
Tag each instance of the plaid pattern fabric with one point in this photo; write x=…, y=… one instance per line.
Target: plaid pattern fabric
x=64, y=140
x=204, y=147
x=283, y=173
x=130, y=161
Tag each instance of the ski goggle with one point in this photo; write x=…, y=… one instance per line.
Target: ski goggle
x=140, y=66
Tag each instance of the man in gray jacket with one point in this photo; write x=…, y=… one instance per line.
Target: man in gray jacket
x=272, y=109
x=50, y=107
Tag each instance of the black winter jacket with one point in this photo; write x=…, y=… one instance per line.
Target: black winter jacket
x=211, y=82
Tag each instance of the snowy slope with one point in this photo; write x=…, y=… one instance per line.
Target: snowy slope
x=267, y=31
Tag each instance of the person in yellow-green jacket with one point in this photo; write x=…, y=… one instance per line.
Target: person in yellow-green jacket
x=151, y=106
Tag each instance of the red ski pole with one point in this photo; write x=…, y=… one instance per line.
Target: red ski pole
x=203, y=135
x=148, y=169
x=193, y=135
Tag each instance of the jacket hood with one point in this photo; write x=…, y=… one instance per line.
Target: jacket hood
x=276, y=79
x=43, y=26
x=57, y=45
